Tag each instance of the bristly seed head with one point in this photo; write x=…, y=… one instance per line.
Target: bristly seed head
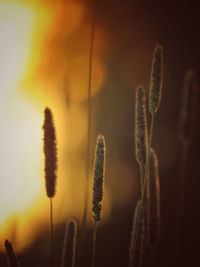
x=99, y=170
x=69, y=247
x=50, y=153
x=156, y=80
x=141, y=132
x=11, y=256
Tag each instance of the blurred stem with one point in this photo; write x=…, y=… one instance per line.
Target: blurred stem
x=144, y=183
x=94, y=243
x=89, y=124
x=181, y=188
x=51, y=232
x=141, y=177
x=153, y=253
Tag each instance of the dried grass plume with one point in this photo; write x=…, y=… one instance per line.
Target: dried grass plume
x=11, y=256
x=99, y=170
x=50, y=153
x=69, y=247
x=141, y=133
x=156, y=80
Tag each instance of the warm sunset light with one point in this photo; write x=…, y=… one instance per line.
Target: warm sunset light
x=20, y=118
x=26, y=29
x=99, y=133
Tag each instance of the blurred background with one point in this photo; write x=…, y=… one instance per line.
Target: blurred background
x=44, y=61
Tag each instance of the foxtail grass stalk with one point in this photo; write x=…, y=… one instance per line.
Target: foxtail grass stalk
x=11, y=256
x=99, y=172
x=154, y=103
x=89, y=124
x=141, y=132
x=50, y=169
x=69, y=246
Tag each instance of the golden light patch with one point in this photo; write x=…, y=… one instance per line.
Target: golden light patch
x=78, y=76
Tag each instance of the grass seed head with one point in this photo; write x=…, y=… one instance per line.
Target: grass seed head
x=11, y=256
x=99, y=170
x=141, y=133
x=69, y=247
x=156, y=80
x=50, y=152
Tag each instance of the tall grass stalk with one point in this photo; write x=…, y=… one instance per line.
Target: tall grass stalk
x=89, y=124
x=99, y=172
x=69, y=246
x=154, y=103
x=50, y=153
x=153, y=237
x=11, y=256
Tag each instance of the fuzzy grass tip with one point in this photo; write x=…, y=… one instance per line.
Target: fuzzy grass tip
x=11, y=256
x=141, y=132
x=50, y=153
x=69, y=246
x=156, y=80
x=99, y=170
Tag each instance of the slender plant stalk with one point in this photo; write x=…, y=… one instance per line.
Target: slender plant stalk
x=94, y=242
x=89, y=123
x=51, y=232
x=11, y=256
x=141, y=177
x=145, y=179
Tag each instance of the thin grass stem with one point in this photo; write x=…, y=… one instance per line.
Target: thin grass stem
x=51, y=232
x=94, y=242
x=89, y=124
x=141, y=177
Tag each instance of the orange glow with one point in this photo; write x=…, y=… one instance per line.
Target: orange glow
x=26, y=87
x=78, y=77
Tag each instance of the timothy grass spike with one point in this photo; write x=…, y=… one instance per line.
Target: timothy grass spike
x=11, y=256
x=50, y=153
x=156, y=80
x=69, y=247
x=141, y=132
x=99, y=170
